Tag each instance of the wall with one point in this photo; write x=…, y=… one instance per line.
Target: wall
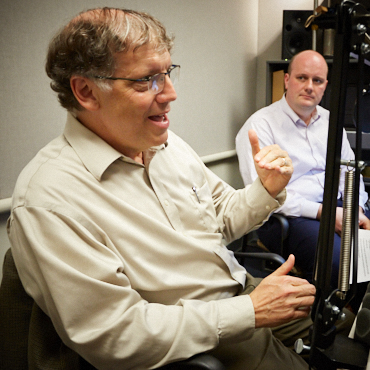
x=221, y=45
x=270, y=23
x=216, y=46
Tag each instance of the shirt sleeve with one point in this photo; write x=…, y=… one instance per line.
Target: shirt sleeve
x=347, y=153
x=243, y=210
x=298, y=206
x=72, y=271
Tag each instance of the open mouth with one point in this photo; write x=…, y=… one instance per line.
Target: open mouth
x=159, y=118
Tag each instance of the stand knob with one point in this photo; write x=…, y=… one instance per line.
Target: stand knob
x=299, y=347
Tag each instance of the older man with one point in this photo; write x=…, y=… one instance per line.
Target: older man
x=117, y=227
x=300, y=126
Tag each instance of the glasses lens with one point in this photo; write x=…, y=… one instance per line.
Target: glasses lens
x=174, y=75
x=156, y=84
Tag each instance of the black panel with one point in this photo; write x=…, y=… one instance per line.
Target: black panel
x=296, y=37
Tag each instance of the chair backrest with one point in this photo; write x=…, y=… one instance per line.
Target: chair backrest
x=15, y=314
x=28, y=337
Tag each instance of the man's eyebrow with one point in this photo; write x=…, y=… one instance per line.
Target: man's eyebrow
x=155, y=70
x=314, y=77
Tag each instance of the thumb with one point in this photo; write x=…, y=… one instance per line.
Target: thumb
x=253, y=139
x=286, y=267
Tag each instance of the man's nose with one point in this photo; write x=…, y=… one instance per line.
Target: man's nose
x=309, y=84
x=168, y=93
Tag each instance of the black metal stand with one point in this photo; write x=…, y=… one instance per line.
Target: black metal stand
x=343, y=353
x=328, y=350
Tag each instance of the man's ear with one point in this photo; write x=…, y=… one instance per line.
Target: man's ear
x=84, y=91
x=286, y=79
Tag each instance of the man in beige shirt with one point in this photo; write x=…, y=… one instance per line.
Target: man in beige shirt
x=118, y=228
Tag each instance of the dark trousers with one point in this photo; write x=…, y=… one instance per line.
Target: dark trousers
x=301, y=241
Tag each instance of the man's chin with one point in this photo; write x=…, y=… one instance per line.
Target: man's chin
x=162, y=138
x=307, y=104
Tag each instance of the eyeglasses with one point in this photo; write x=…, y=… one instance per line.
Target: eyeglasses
x=154, y=84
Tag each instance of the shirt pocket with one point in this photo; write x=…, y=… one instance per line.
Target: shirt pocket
x=201, y=199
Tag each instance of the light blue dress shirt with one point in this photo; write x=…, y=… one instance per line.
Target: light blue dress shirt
x=306, y=146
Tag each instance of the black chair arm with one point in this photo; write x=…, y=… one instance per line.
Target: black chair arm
x=284, y=224
x=202, y=361
x=266, y=256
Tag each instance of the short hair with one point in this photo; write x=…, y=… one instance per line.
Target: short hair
x=86, y=46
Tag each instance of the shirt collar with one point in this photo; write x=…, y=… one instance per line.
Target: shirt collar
x=149, y=154
x=294, y=116
x=95, y=153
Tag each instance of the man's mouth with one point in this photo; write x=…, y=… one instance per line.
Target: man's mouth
x=159, y=118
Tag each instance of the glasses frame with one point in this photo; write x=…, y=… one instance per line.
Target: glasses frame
x=144, y=79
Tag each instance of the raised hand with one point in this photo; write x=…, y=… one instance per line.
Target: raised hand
x=273, y=165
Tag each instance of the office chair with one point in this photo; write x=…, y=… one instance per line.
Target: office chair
x=284, y=231
x=251, y=239
x=264, y=266
x=255, y=257
x=20, y=335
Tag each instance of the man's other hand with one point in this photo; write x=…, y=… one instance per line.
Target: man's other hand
x=280, y=298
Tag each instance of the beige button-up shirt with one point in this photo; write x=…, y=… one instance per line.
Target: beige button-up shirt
x=129, y=260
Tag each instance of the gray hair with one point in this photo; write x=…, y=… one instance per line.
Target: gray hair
x=87, y=44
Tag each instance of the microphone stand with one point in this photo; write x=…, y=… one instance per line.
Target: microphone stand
x=328, y=350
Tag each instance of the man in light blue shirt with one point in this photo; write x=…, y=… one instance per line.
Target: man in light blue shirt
x=300, y=126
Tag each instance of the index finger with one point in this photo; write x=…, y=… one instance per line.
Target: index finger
x=253, y=139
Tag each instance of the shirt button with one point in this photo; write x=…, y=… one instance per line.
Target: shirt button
x=268, y=208
x=166, y=203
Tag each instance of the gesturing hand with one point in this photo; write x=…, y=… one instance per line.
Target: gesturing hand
x=280, y=298
x=273, y=165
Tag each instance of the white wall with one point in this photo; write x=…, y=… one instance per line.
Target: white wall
x=221, y=45
x=216, y=45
